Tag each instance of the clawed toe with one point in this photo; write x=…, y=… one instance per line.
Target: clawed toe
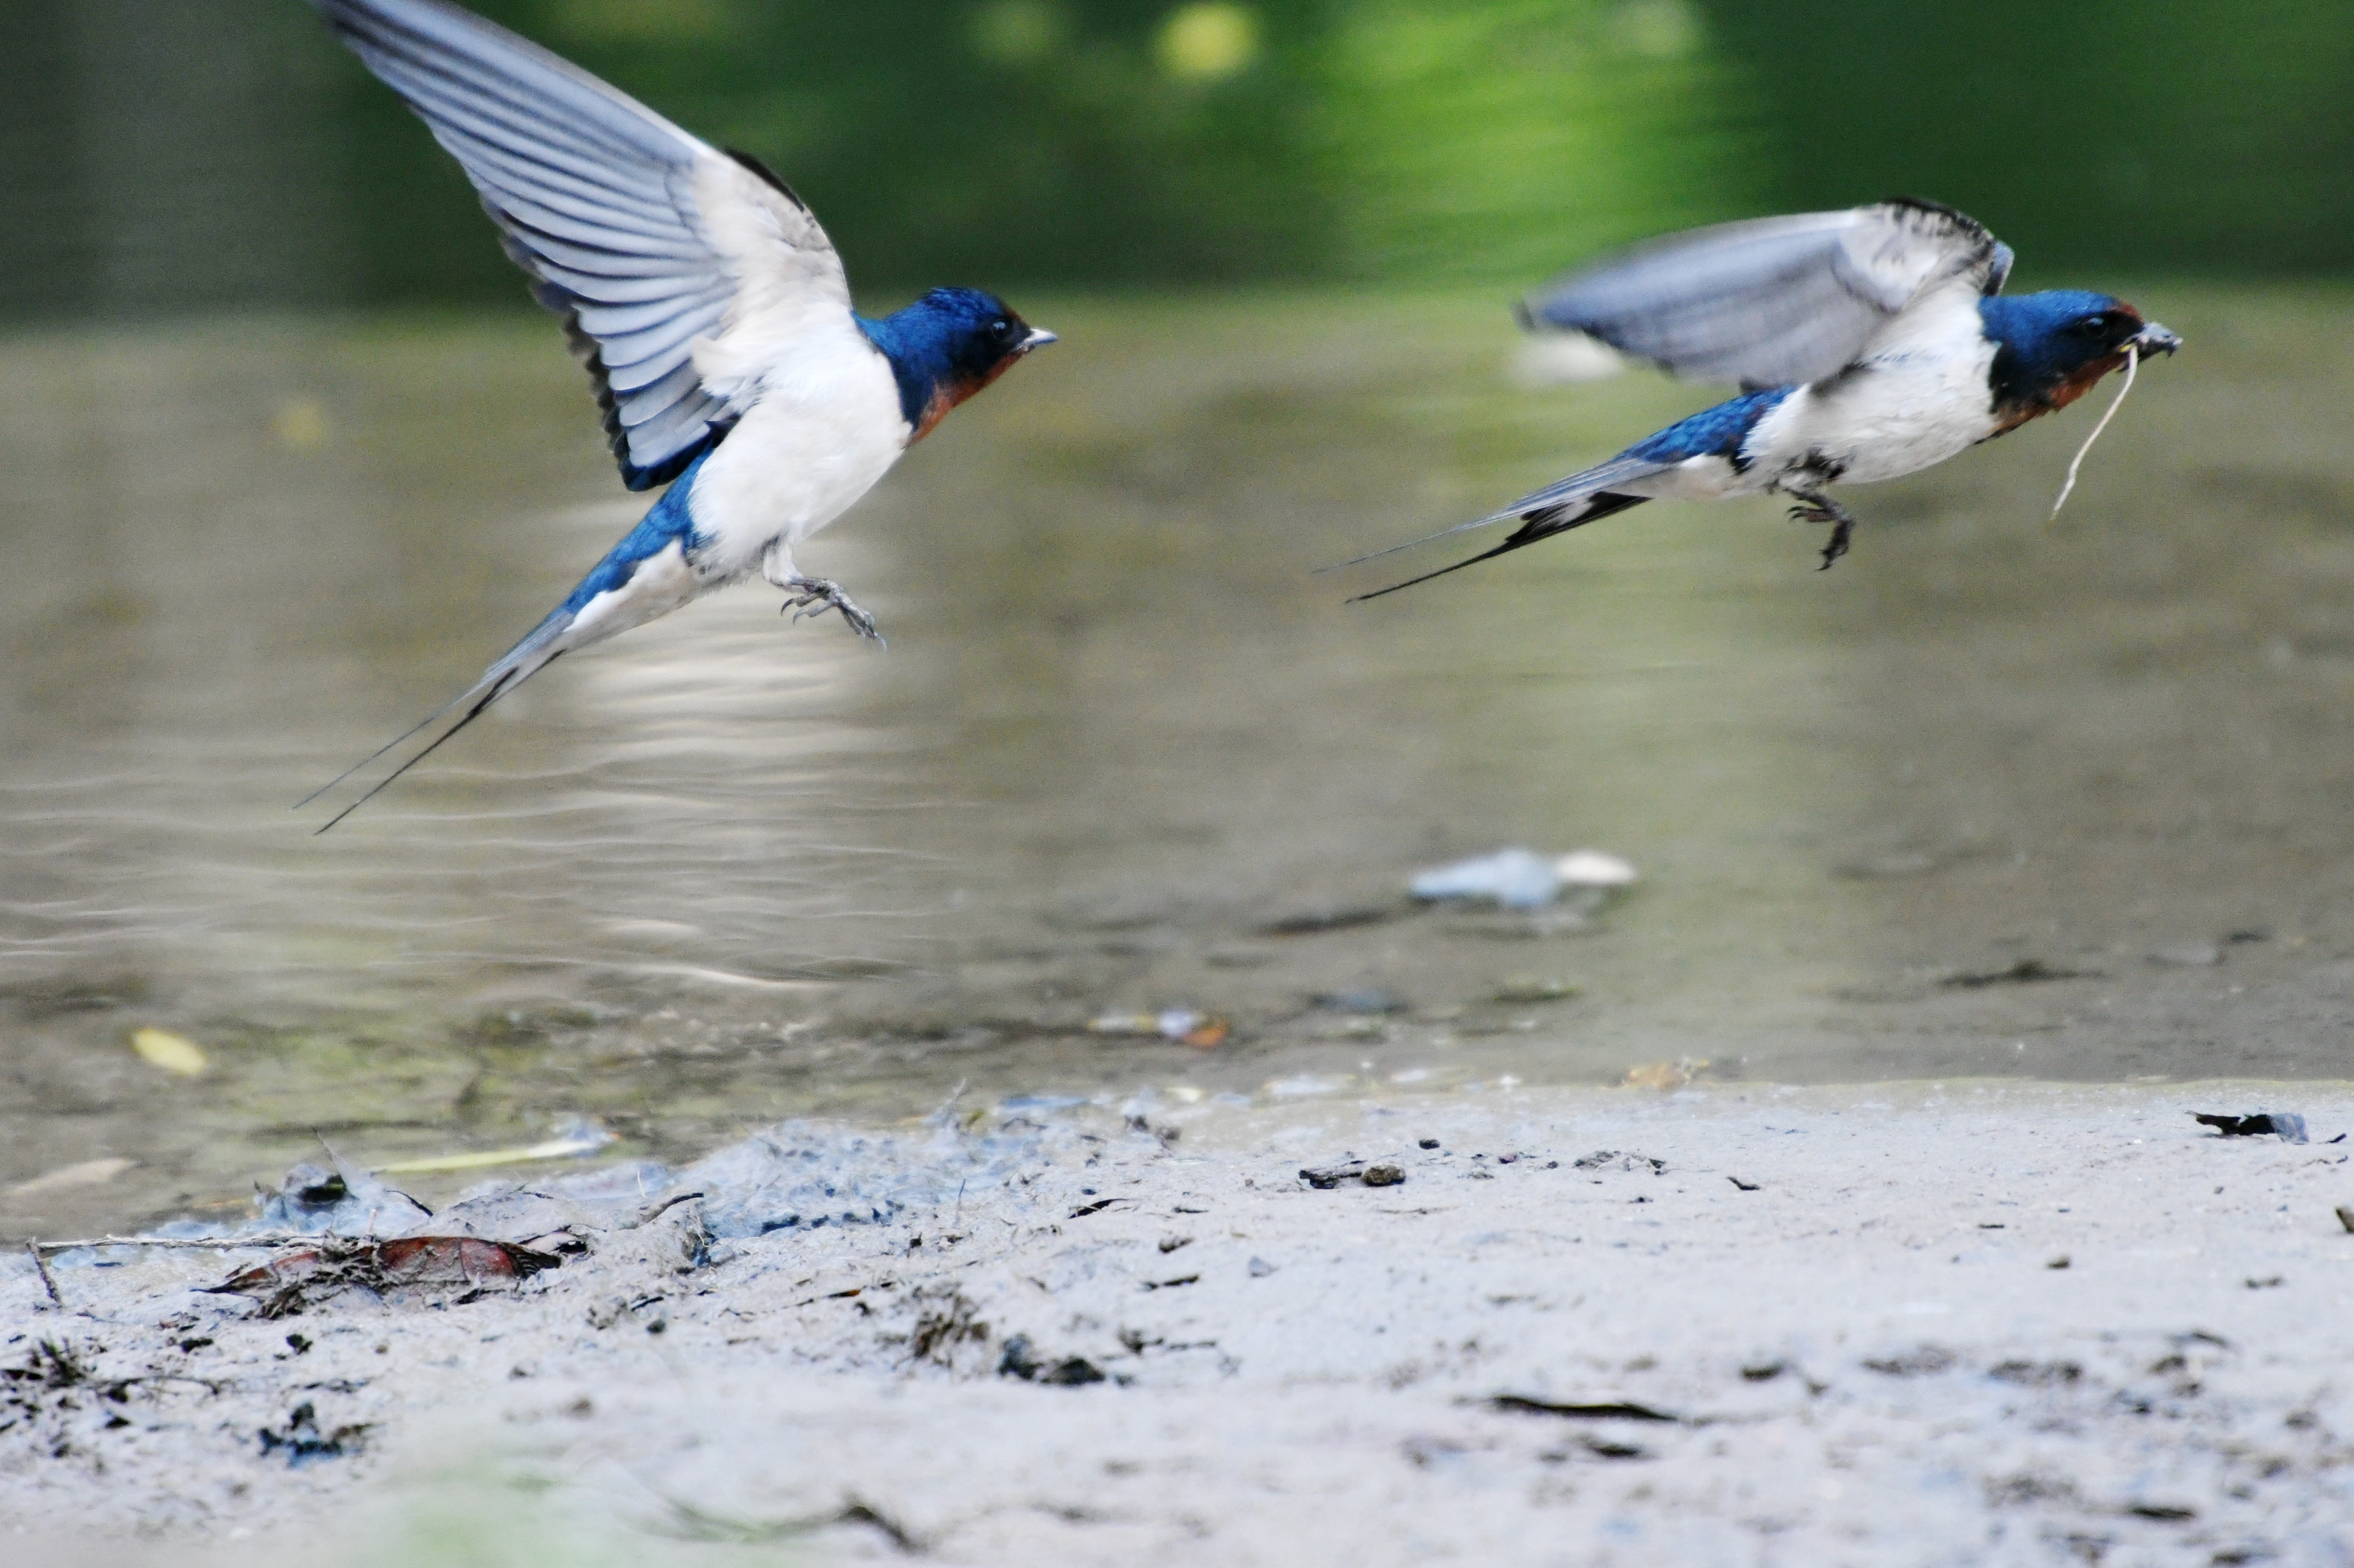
x=1815, y=507
x=816, y=597
x=861, y=622
x=1836, y=545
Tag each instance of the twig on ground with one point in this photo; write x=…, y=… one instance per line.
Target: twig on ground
x=216, y=1243
x=649, y=1216
x=41, y=1266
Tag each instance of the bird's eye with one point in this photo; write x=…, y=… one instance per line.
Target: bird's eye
x=1001, y=327
x=2094, y=326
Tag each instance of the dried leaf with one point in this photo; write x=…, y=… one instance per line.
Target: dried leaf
x=170, y=1051
x=306, y=1275
x=457, y=1260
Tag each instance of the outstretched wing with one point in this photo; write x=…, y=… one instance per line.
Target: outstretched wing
x=644, y=238
x=1773, y=301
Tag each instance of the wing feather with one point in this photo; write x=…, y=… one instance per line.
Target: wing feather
x=1775, y=301
x=657, y=319
x=666, y=423
x=490, y=106
x=665, y=397
x=639, y=359
x=646, y=210
x=552, y=254
x=646, y=239
x=504, y=65
x=622, y=290
x=525, y=215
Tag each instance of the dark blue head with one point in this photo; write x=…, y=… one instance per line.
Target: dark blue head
x=947, y=346
x=2051, y=347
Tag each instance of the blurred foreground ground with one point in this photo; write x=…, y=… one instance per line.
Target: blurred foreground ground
x=1907, y=1325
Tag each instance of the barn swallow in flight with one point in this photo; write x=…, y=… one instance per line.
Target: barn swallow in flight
x=1869, y=343
x=711, y=311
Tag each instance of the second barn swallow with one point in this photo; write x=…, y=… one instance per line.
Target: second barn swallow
x=1869, y=343
x=713, y=315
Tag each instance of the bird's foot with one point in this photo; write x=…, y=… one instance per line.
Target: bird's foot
x=1822, y=509
x=814, y=595
x=1842, y=529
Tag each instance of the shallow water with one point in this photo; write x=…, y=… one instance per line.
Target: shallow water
x=1994, y=796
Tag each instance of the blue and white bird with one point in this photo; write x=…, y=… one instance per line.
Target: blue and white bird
x=1869, y=343
x=711, y=311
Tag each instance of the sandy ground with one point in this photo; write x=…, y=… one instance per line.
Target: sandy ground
x=1917, y=1324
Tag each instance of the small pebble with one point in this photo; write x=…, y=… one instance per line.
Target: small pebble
x=1383, y=1175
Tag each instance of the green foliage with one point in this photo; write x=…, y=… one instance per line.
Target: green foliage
x=231, y=152
x=2206, y=136
x=1502, y=139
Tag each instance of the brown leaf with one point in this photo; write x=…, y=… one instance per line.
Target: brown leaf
x=457, y=1260
x=304, y=1276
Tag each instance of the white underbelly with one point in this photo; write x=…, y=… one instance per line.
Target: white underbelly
x=1895, y=441
x=1893, y=415
x=793, y=465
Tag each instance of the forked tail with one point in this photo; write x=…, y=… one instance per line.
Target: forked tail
x=1556, y=509
x=1534, y=527
x=522, y=662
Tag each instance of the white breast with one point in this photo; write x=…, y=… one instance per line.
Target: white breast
x=1917, y=395
x=821, y=424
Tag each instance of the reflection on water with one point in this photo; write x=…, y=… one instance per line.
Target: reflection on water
x=727, y=869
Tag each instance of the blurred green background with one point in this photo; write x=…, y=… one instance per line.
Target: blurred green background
x=158, y=158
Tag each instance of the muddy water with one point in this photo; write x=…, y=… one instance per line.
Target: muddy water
x=1994, y=796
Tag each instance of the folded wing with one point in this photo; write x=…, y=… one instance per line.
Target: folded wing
x=644, y=238
x=1775, y=301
